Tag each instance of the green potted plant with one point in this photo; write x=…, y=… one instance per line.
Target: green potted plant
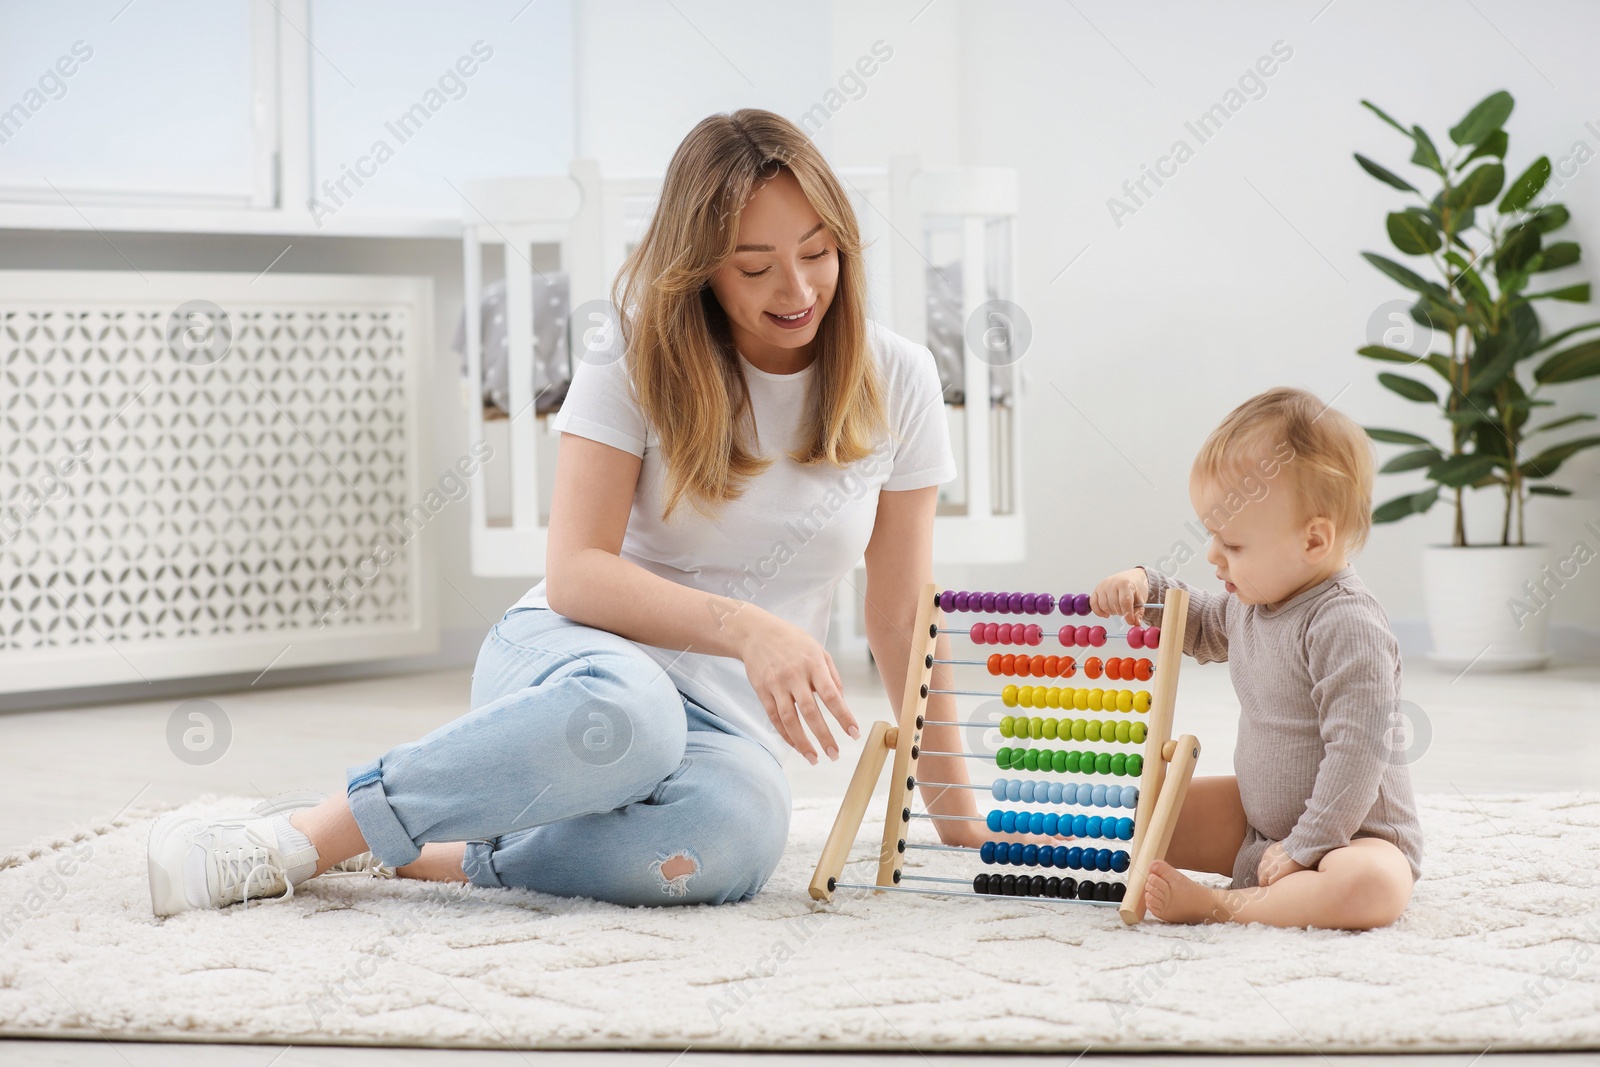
x=1481, y=262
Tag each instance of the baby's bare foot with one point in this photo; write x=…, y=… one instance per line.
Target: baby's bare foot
x=1173, y=897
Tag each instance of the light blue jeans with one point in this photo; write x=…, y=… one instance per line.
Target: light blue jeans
x=581, y=771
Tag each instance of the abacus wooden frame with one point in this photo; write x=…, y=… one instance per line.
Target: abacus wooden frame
x=1163, y=782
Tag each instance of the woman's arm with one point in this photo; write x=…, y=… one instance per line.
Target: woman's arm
x=588, y=581
x=899, y=562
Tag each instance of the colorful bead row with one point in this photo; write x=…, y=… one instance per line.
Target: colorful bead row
x=1054, y=696
x=1121, y=669
x=1033, y=791
x=1031, y=633
x=1069, y=858
x=1069, y=762
x=1050, y=824
x=1013, y=603
x=1012, y=885
x=1122, y=732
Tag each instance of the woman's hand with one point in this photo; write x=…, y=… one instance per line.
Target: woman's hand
x=1124, y=593
x=1276, y=864
x=790, y=671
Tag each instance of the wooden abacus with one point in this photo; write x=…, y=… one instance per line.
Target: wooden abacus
x=1163, y=770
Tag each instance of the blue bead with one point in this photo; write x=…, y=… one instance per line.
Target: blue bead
x=998, y=789
x=1016, y=853
x=1097, y=796
x=1125, y=829
x=1080, y=826
x=1008, y=822
x=1119, y=862
x=1074, y=857
x=1027, y=790
x=1102, y=859
x=1013, y=789
x=1047, y=856
x=1061, y=856
x=1092, y=826
x=994, y=820
x=1085, y=793
x=986, y=852
x=1030, y=855
x=1051, y=821
x=1036, y=823
x=1055, y=792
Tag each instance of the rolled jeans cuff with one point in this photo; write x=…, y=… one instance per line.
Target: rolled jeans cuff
x=477, y=863
x=369, y=805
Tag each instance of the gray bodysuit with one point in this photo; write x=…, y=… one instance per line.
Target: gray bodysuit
x=1318, y=681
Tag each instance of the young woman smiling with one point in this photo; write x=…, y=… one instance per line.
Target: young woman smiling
x=758, y=437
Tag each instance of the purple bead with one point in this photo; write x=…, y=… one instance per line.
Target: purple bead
x=1030, y=603
x=960, y=601
x=1066, y=603
x=1002, y=603
x=1080, y=604
x=1047, y=603
x=1016, y=603
x=986, y=603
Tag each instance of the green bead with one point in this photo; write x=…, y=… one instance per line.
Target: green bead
x=1135, y=764
x=1092, y=731
x=1002, y=758
x=1137, y=733
x=1058, y=762
x=1124, y=731
x=1072, y=762
x=1119, y=764
x=1036, y=727
x=1030, y=759
x=1050, y=726
x=1102, y=763
x=1080, y=730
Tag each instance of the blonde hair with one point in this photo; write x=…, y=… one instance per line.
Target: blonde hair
x=678, y=345
x=1329, y=457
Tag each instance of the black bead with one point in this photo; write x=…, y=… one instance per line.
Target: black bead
x=1036, y=886
x=1008, y=885
x=980, y=883
x=1119, y=890
x=1069, y=889
x=1052, y=886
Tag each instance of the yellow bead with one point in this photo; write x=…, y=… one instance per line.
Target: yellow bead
x=1053, y=696
x=1125, y=700
x=1008, y=696
x=1141, y=701
x=1096, y=696
x=1080, y=699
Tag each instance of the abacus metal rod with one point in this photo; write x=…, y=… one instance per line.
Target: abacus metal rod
x=958, y=818
x=970, y=893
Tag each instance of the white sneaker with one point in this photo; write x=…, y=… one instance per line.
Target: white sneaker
x=196, y=864
x=364, y=863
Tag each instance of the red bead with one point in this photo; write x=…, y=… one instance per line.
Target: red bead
x=1152, y=637
x=1032, y=633
x=1081, y=637
x=976, y=633
x=1097, y=636
x=1136, y=637
x=1064, y=635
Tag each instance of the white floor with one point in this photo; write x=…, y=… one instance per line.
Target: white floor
x=1476, y=733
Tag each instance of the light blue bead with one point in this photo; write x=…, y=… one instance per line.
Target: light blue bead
x=1055, y=792
x=1099, y=796
x=998, y=789
x=1130, y=796
x=1080, y=794
x=1013, y=789
x=1027, y=790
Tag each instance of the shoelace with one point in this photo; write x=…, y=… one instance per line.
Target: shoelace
x=248, y=859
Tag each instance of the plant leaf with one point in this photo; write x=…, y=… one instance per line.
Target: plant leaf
x=1493, y=145
x=1410, y=461
x=1388, y=355
x=1554, y=257
x=1526, y=187
x=1412, y=235
x=1384, y=175
x=1479, y=187
x=1397, y=437
x=1577, y=294
x=1550, y=217
x=1406, y=277
x=1410, y=504
x=1570, y=364
x=1546, y=463
x=1558, y=423
x=1426, y=155
x=1409, y=388
x=1564, y=334
x=1519, y=245
x=1484, y=119
x=1549, y=490
x=1458, y=471
x=1378, y=111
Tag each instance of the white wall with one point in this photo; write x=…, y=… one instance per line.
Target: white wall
x=1243, y=272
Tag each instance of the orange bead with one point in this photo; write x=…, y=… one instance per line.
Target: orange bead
x=994, y=663
x=1036, y=666
x=1008, y=663
x=1114, y=669
x=1092, y=666
x=1069, y=666
x=1143, y=671
x=1052, y=666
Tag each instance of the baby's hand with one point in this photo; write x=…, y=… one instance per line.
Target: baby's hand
x=1275, y=864
x=1124, y=594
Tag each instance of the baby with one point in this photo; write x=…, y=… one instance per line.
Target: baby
x=1319, y=826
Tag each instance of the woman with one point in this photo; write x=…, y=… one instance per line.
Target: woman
x=630, y=713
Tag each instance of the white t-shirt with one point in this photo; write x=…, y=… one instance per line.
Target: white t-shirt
x=794, y=534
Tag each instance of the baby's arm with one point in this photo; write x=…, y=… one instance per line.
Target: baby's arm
x=1205, y=637
x=1354, y=662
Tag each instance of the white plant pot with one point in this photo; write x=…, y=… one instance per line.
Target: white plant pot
x=1473, y=596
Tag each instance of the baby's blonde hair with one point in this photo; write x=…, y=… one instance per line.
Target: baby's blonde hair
x=1329, y=460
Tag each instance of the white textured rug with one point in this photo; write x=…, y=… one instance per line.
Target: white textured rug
x=1500, y=948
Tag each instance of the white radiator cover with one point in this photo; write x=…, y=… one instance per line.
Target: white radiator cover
x=167, y=513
